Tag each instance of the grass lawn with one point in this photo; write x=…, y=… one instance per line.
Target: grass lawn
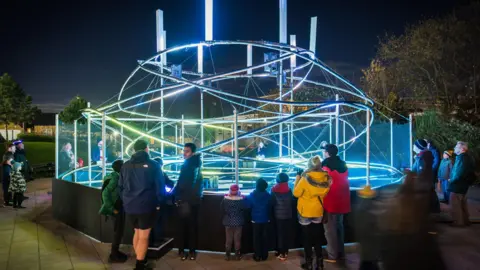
x=40, y=152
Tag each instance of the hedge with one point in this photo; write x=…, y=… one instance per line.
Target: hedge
x=30, y=137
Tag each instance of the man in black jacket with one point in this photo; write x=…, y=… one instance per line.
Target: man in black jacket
x=188, y=196
x=21, y=156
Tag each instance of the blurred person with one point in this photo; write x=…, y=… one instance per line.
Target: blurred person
x=11, y=148
x=233, y=218
x=310, y=188
x=97, y=153
x=260, y=203
x=7, y=169
x=461, y=178
x=282, y=201
x=66, y=159
x=436, y=159
x=112, y=206
x=444, y=172
x=142, y=191
x=18, y=185
x=366, y=229
x=337, y=203
x=423, y=167
x=188, y=195
x=21, y=156
x=156, y=235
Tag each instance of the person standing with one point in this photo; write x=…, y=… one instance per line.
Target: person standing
x=337, y=203
x=436, y=159
x=463, y=175
x=188, y=196
x=142, y=191
x=282, y=201
x=6, y=177
x=18, y=185
x=444, y=172
x=21, y=156
x=97, y=153
x=66, y=160
x=310, y=188
x=112, y=206
x=424, y=167
x=232, y=207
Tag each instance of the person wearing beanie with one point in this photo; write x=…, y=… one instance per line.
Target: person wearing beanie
x=282, y=201
x=423, y=167
x=260, y=203
x=444, y=171
x=232, y=209
x=18, y=185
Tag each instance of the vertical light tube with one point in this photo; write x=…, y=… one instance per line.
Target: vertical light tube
x=337, y=125
x=75, y=148
x=208, y=20
x=344, y=140
x=183, y=131
x=391, y=142
x=330, y=124
x=89, y=143
x=235, y=139
x=57, y=129
x=104, y=144
x=293, y=64
x=283, y=21
x=176, y=139
x=159, y=30
x=162, y=126
x=293, y=59
x=313, y=34
x=410, y=131
x=367, y=162
x=232, y=146
x=249, y=58
x=201, y=118
x=280, y=109
x=121, y=142
x=162, y=105
x=164, y=47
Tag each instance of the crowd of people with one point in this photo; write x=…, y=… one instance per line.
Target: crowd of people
x=15, y=174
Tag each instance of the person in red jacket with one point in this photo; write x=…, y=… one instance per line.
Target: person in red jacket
x=337, y=202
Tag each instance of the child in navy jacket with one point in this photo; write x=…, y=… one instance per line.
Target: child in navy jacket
x=282, y=201
x=233, y=205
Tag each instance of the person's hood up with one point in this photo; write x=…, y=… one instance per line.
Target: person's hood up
x=140, y=157
x=318, y=178
x=335, y=164
x=194, y=161
x=281, y=188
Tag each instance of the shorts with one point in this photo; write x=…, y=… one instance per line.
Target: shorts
x=143, y=221
x=306, y=221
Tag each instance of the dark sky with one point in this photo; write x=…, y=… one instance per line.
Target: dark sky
x=58, y=49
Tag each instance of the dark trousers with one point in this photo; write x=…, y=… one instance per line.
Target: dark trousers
x=283, y=235
x=233, y=235
x=17, y=198
x=7, y=196
x=118, y=227
x=446, y=194
x=334, y=233
x=459, y=209
x=260, y=240
x=312, y=238
x=156, y=235
x=369, y=265
x=188, y=230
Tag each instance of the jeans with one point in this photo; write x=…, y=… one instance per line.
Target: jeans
x=7, y=196
x=283, y=235
x=312, y=238
x=188, y=230
x=260, y=240
x=459, y=209
x=118, y=227
x=446, y=194
x=334, y=233
x=233, y=235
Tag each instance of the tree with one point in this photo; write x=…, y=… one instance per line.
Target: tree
x=73, y=111
x=11, y=95
x=27, y=112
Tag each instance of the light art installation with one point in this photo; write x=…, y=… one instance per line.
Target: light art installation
x=289, y=121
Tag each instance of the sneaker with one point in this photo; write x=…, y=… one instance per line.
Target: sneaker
x=227, y=256
x=182, y=255
x=192, y=255
x=282, y=257
x=238, y=255
x=7, y=204
x=142, y=265
x=117, y=257
x=257, y=259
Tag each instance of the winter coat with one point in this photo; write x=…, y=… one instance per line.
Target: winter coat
x=17, y=183
x=463, y=174
x=96, y=153
x=423, y=168
x=436, y=157
x=189, y=186
x=20, y=156
x=282, y=201
x=310, y=188
x=141, y=184
x=337, y=200
x=260, y=203
x=232, y=208
x=6, y=173
x=110, y=197
x=445, y=169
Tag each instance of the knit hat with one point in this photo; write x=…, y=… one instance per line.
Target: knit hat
x=366, y=192
x=234, y=190
x=449, y=153
x=282, y=178
x=421, y=144
x=261, y=185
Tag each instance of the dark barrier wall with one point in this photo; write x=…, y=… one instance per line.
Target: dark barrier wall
x=78, y=205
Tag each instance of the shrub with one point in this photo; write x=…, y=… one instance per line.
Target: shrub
x=29, y=137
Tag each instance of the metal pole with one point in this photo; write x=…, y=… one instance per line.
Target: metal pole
x=344, y=140
x=313, y=35
x=283, y=21
x=121, y=142
x=337, y=125
x=104, y=145
x=331, y=128
x=249, y=58
x=75, y=148
x=201, y=118
x=391, y=142
x=293, y=64
x=57, y=129
x=235, y=139
x=410, y=123
x=183, y=130
x=89, y=143
x=176, y=138
x=367, y=161
x=162, y=134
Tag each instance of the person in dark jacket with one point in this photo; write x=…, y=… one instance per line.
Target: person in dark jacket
x=6, y=177
x=462, y=177
x=436, y=159
x=444, y=172
x=21, y=156
x=260, y=203
x=232, y=207
x=336, y=203
x=423, y=167
x=282, y=201
x=66, y=160
x=97, y=152
x=112, y=206
x=188, y=195
x=142, y=190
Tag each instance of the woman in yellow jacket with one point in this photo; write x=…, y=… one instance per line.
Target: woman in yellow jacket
x=310, y=188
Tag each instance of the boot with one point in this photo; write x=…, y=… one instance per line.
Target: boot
x=117, y=257
x=238, y=255
x=142, y=265
x=307, y=265
x=227, y=255
x=319, y=265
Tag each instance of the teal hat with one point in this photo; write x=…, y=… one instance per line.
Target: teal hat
x=17, y=166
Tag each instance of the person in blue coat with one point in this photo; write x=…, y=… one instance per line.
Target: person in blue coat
x=260, y=203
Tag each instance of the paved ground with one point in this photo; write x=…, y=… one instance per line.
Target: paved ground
x=31, y=239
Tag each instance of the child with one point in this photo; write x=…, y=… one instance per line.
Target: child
x=444, y=173
x=259, y=202
x=282, y=207
x=18, y=185
x=233, y=219
x=6, y=176
x=112, y=207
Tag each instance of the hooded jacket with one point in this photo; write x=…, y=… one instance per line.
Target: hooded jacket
x=282, y=201
x=445, y=169
x=141, y=184
x=110, y=198
x=189, y=186
x=232, y=208
x=260, y=203
x=337, y=201
x=311, y=187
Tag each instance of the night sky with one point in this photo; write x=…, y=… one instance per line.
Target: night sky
x=58, y=49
